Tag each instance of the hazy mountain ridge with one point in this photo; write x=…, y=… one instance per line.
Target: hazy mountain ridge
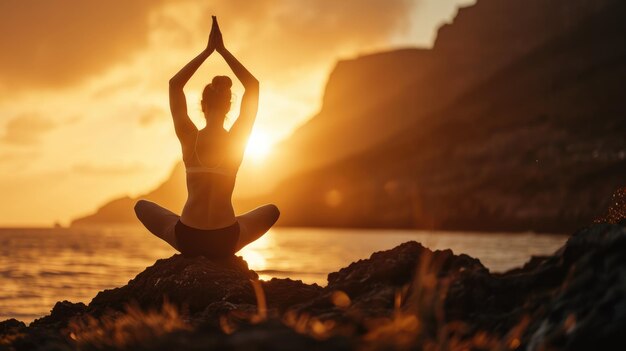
x=432, y=142
x=171, y=194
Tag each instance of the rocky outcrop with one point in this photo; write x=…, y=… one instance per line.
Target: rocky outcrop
x=202, y=287
x=573, y=300
x=406, y=298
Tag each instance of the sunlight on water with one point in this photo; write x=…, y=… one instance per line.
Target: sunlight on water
x=39, y=267
x=253, y=252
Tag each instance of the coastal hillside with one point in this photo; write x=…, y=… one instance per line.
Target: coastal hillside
x=538, y=145
x=369, y=99
x=513, y=121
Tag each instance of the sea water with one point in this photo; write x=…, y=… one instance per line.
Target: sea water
x=39, y=267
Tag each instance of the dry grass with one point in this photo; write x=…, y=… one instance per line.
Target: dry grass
x=418, y=321
x=6, y=340
x=133, y=327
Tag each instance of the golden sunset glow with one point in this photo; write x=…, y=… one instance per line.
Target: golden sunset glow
x=312, y=174
x=258, y=147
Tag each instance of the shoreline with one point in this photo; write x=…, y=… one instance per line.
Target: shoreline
x=380, y=230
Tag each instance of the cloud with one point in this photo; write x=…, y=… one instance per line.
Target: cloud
x=108, y=170
x=17, y=161
x=152, y=115
x=283, y=40
x=296, y=33
x=26, y=129
x=51, y=43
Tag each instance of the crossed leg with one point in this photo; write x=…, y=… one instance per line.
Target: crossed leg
x=158, y=220
x=161, y=222
x=253, y=224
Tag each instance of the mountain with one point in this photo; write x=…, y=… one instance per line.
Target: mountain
x=370, y=98
x=171, y=194
x=543, y=130
x=513, y=121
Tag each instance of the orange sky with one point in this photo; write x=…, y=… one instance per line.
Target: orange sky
x=83, y=85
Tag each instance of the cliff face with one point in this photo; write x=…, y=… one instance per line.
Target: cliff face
x=355, y=115
x=515, y=114
x=370, y=98
x=516, y=122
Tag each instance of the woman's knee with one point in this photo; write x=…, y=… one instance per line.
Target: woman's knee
x=274, y=211
x=140, y=207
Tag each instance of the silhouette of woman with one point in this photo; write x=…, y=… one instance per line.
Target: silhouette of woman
x=207, y=225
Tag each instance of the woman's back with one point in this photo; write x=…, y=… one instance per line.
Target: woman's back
x=211, y=174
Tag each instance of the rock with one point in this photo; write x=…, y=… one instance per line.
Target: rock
x=286, y=293
x=11, y=327
x=60, y=314
x=372, y=284
x=587, y=310
x=396, y=266
x=190, y=283
x=199, y=286
x=575, y=299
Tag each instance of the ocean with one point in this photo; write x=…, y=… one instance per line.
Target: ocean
x=40, y=266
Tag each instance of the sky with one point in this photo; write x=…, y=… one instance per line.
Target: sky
x=84, y=114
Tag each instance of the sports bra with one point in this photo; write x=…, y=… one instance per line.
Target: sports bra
x=217, y=169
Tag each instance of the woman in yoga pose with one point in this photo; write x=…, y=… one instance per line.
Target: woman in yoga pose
x=207, y=225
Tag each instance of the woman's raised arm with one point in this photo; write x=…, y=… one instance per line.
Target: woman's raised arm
x=249, y=103
x=178, y=103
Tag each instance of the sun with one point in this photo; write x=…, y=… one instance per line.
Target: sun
x=258, y=147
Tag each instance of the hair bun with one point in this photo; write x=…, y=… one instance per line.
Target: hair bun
x=222, y=83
